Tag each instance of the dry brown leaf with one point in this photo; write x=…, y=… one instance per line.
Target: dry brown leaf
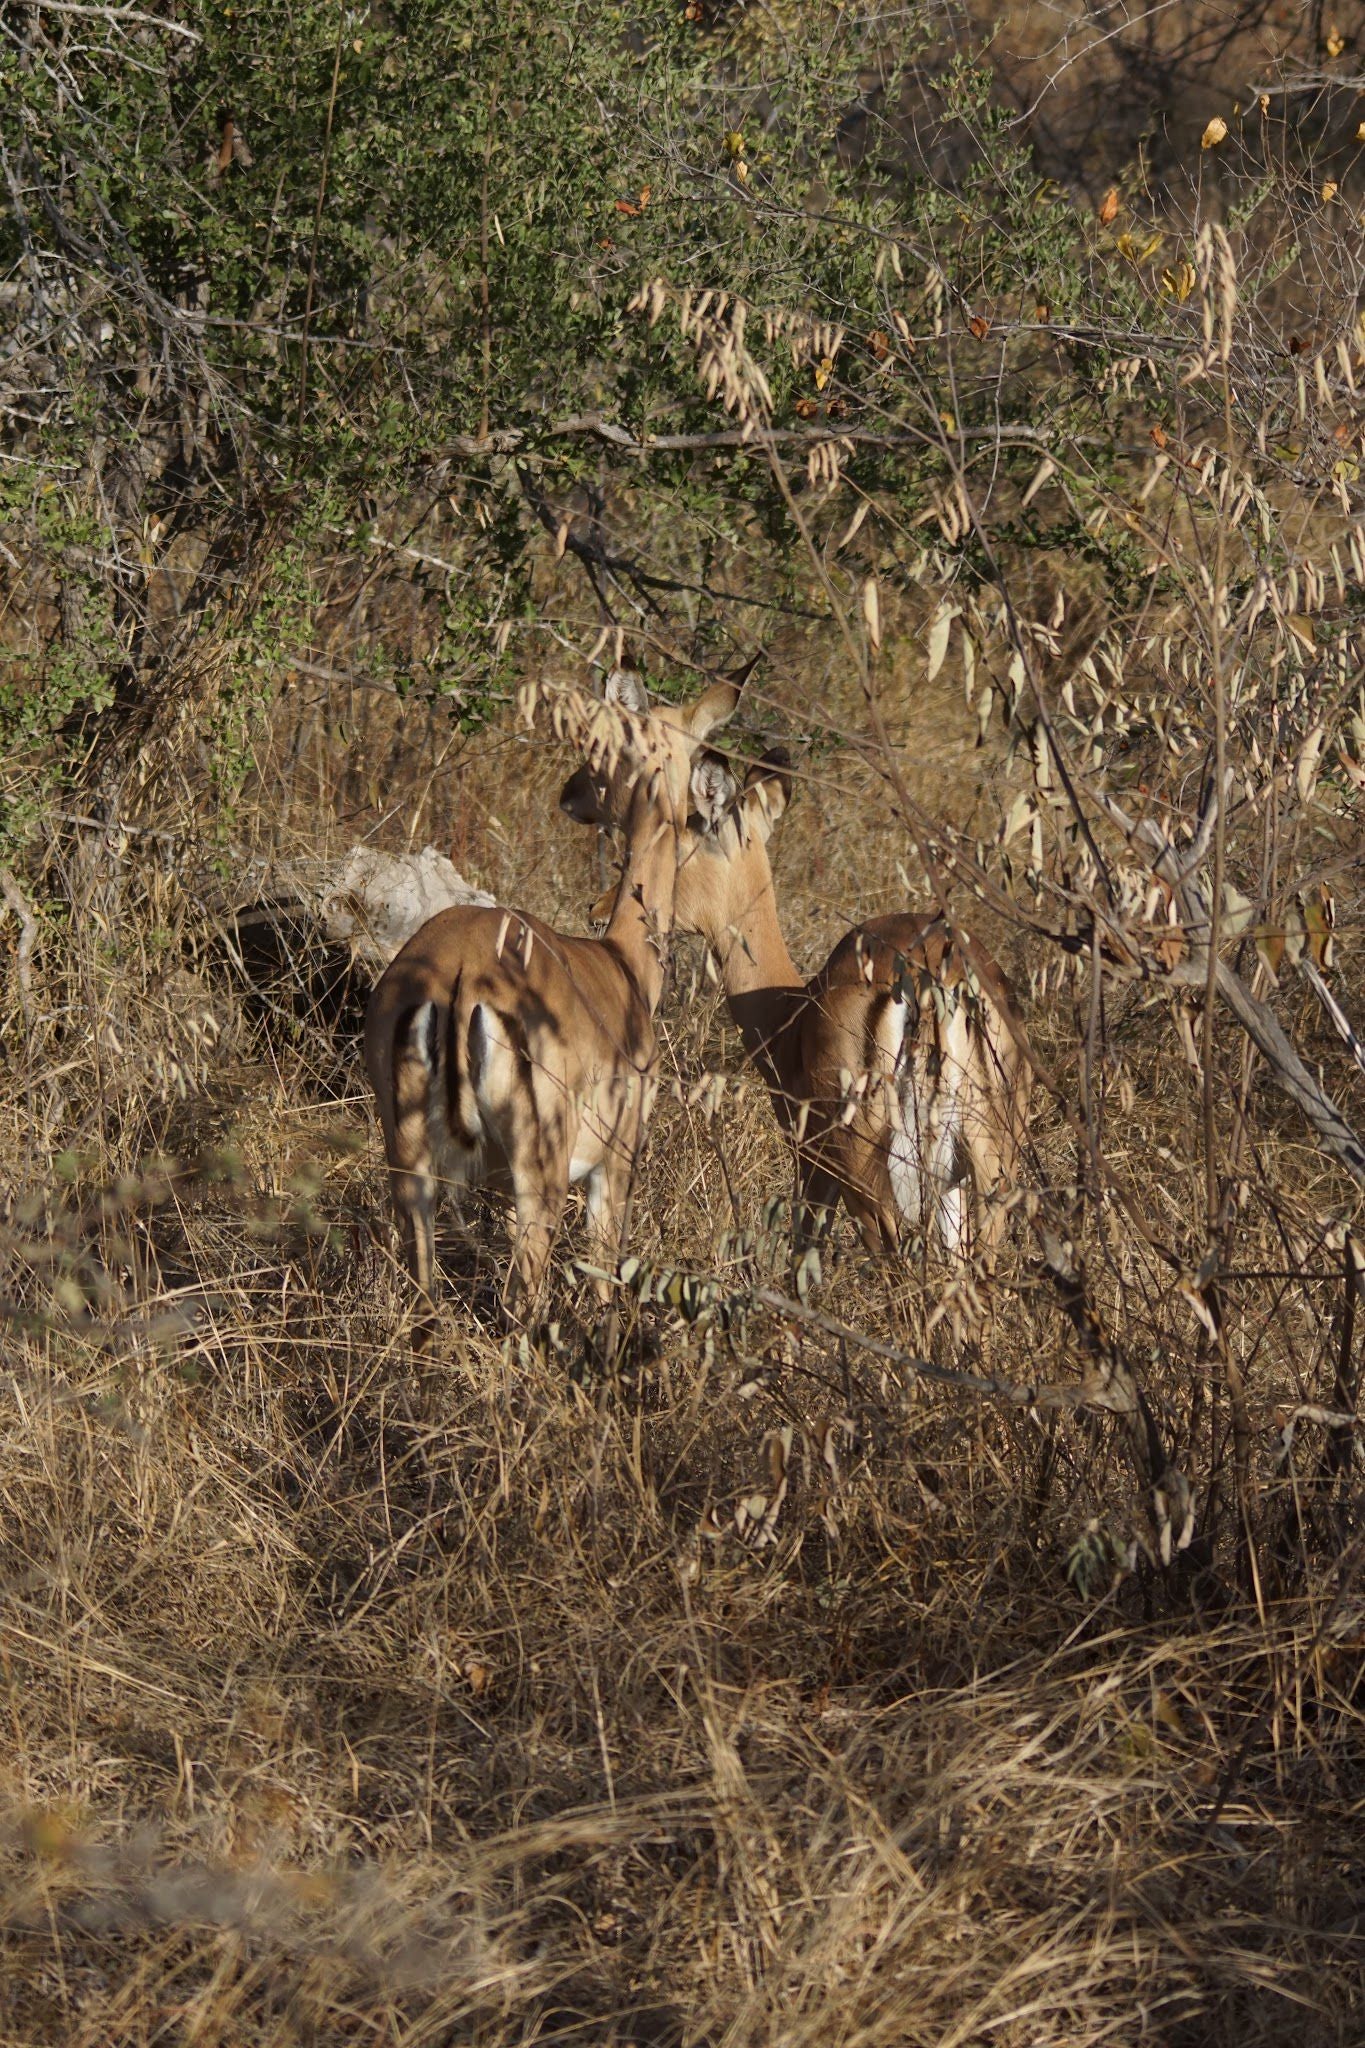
x=872, y=612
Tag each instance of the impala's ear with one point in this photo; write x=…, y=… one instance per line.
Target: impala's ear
x=624, y=687
x=768, y=789
x=714, y=790
x=712, y=708
x=582, y=799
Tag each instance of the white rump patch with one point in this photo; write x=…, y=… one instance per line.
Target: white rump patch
x=905, y=1157
x=424, y=1036
x=492, y=1065
x=929, y=1161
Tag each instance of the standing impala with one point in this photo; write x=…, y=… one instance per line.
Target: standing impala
x=506, y=1055
x=892, y=1070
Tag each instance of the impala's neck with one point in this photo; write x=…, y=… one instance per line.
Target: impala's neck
x=642, y=916
x=762, y=986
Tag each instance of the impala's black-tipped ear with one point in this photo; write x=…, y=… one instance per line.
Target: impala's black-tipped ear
x=713, y=790
x=774, y=766
x=711, y=709
x=768, y=789
x=718, y=703
x=583, y=799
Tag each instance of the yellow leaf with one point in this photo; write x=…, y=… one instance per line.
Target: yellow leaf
x=948, y=421
x=1179, y=281
x=1334, y=42
x=824, y=370
x=1137, y=249
x=1320, y=916
x=1270, y=946
x=1214, y=133
x=1360, y=132
x=734, y=142
x=1329, y=191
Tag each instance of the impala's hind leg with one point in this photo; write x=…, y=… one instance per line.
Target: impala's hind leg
x=537, y=1148
x=539, y=1212
x=414, y=1201
x=408, y=1145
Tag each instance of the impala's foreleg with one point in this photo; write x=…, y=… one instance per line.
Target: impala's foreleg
x=607, y=1187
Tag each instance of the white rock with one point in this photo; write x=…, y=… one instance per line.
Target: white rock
x=374, y=901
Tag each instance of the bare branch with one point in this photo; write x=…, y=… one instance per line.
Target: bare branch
x=117, y=17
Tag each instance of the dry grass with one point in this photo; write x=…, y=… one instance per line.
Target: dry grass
x=340, y=1707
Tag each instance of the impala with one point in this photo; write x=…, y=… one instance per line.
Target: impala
x=892, y=1070
x=506, y=1055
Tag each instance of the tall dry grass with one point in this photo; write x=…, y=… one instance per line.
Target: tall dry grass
x=816, y=1677
x=513, y=1705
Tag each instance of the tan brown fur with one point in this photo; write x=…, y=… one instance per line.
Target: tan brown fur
x=892, y=1070
x=504, y=1054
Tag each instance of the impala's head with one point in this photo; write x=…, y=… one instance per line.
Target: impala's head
x=723, y=854
x=722, y=823
x=642, y=753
